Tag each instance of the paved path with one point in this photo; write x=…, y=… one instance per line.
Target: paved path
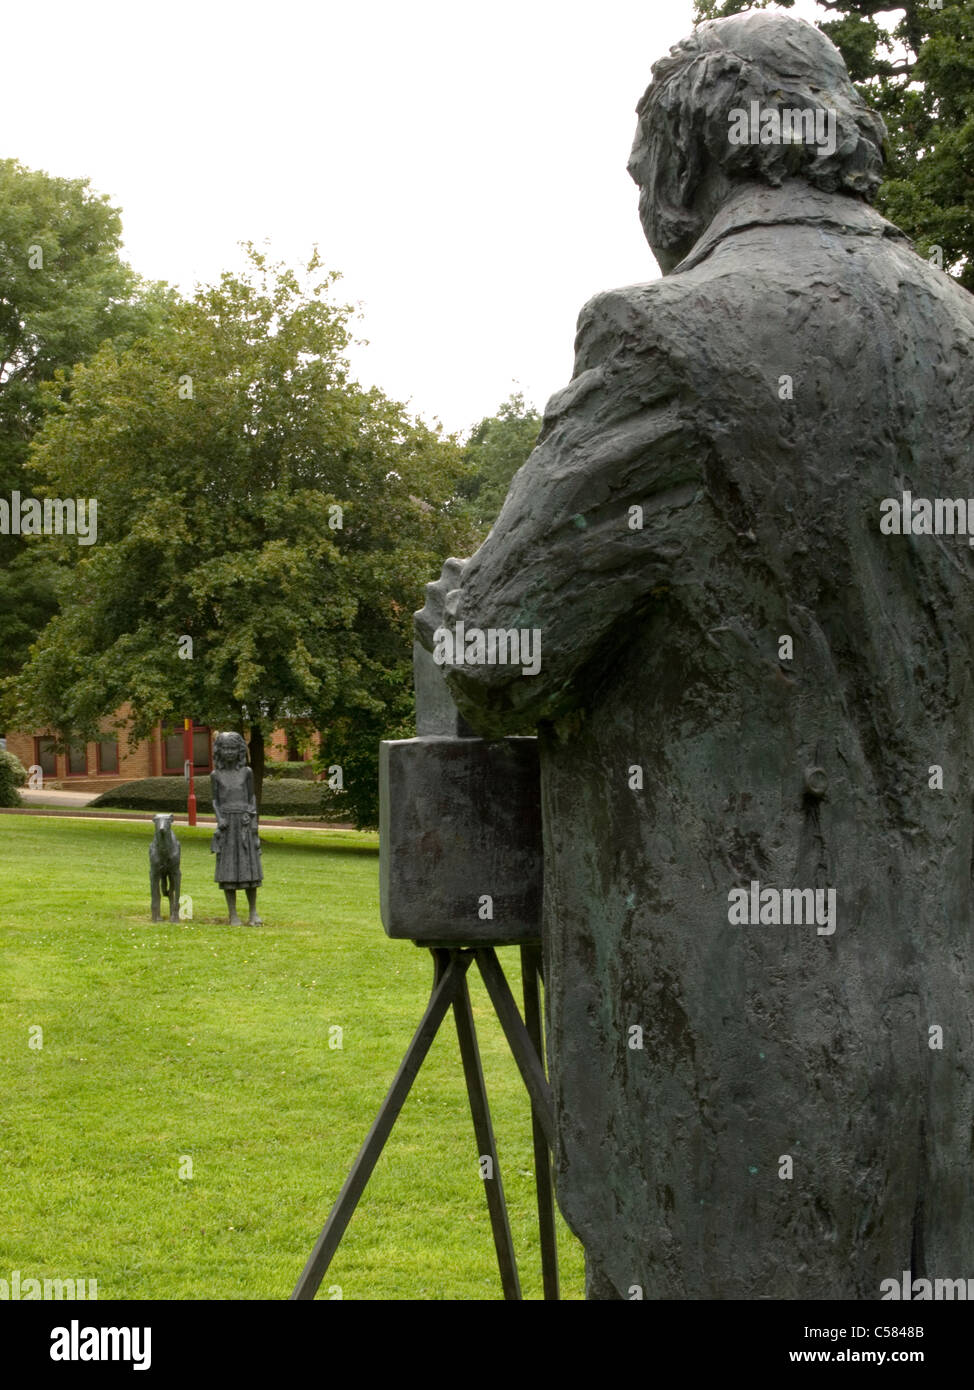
x=56, y=798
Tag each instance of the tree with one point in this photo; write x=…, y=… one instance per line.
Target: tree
x=496, y=449
x=63, y=291
x=265, y=529
x=919, y=75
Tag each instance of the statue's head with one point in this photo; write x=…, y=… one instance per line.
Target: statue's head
x=229, y=750
x=697, y=136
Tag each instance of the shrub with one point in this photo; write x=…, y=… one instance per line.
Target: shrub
x=13, y=774
x=298, y=771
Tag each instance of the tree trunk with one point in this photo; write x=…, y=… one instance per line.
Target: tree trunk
x=257, y=760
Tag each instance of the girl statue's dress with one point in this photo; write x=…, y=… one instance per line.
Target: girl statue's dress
x=236, y=843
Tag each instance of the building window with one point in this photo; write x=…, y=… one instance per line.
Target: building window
x=45, y=757
x=201, y=750
x=174, y=755
x=77, y=760
x=108, y=755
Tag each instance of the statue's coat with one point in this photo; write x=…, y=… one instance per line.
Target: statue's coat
x=660, y=651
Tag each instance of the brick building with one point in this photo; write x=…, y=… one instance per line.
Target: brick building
x=109, y=761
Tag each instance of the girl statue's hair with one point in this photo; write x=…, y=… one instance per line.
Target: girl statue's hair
x=232, y=746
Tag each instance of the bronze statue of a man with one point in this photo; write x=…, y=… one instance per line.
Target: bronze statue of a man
x=755, y=706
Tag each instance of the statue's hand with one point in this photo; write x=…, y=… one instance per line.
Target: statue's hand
x=434, y=613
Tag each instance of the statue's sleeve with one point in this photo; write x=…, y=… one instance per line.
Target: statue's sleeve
x=596, y=519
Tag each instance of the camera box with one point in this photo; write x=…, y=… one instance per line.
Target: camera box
x=460, y=853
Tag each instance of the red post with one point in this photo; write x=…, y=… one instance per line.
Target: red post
x=188, y=754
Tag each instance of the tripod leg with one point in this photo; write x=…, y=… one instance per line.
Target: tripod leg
x=530, y=963
x=525, y=1053
x=484, y=1130
x=447, y=980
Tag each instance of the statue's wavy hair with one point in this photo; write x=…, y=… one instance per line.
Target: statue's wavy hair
x=685, y=116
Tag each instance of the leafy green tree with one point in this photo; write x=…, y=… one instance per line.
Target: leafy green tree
x=63, y=291
x=918, y=73
x=496, y=449
x=265, y=529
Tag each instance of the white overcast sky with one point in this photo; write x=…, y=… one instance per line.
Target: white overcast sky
x=462, y=165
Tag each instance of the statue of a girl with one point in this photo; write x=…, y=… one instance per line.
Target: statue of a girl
x=236, y=843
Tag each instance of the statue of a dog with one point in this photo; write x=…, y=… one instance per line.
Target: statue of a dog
x=164, y=873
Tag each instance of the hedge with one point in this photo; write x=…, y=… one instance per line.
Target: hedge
x=281, y=797
x=299, y=771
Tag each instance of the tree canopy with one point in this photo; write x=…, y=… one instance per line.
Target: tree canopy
x=495, y=450
x=265, y=529
x=63, y=291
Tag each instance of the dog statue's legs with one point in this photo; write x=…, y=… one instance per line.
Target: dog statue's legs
x=154, y=889
x=175, y=882
x=231, y=896
x=253, y=920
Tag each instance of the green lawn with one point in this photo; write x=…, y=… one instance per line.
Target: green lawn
x=201, y=1041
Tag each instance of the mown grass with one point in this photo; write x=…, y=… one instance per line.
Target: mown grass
x=201, y=1041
